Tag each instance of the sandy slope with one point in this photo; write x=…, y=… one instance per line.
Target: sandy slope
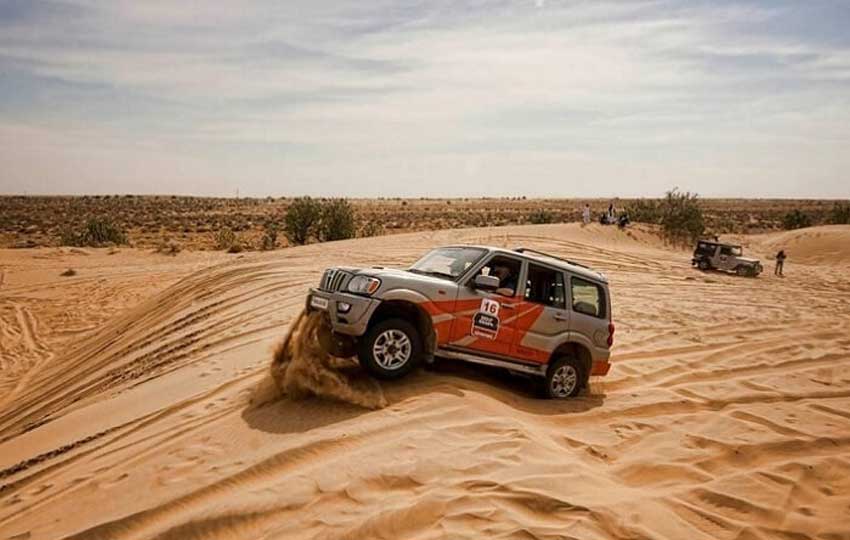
x=725, y=415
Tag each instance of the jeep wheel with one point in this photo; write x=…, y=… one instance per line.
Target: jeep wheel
x=703, y=265
x=742, y=271
x=564, y=378
x=391, y=349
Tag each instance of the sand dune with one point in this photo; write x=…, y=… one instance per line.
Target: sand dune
x=829, y=244
x=126, y=406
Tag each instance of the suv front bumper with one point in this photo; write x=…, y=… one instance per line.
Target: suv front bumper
x=352, y=321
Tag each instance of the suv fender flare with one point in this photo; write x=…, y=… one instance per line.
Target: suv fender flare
x=407, y=304
x=405, y=295
x=577, y=347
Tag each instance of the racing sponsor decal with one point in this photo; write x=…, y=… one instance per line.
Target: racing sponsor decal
x=485, y=323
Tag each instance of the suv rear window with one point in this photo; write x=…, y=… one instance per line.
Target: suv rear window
x=704, y=248
x=588, y=298
x=545, y=286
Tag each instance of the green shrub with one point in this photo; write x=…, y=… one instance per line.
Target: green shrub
x=225, y=239
x=644, y=211
x=97, y=232
x=337, y=220
x=840, y=214
x=681, y=217
x=541, y=216
x=302, y=218
x=796, y=220
x=269, y=239
x=371, y=228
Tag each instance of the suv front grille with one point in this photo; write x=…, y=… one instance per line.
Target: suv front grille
x=332, y=280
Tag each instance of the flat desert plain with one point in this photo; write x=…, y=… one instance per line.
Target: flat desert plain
x=126, y=405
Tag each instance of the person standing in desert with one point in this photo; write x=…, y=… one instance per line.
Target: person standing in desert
x=585, y=214
x=780, y=263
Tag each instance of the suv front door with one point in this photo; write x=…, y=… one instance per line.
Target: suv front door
x=484, y=320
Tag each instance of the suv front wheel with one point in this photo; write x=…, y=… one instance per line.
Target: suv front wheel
x=390, y=349
x=563, y=378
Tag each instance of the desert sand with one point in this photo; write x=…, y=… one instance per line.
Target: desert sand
x=129, y=410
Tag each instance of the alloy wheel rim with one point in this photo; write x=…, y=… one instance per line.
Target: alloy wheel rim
x=564, y=381
x=392, y=349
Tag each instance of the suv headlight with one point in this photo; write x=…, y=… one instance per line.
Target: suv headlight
x=363, y=285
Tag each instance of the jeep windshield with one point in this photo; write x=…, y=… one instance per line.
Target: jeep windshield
x=448, y=263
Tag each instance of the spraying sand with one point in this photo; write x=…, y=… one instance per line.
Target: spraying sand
x=302, y=367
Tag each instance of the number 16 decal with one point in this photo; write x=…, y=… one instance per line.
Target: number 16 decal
x=485, y=323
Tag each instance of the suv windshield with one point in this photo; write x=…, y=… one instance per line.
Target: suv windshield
x=448, y=262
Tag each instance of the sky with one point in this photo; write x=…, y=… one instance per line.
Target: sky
x=410, y=98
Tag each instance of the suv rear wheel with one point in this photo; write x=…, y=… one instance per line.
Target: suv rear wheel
x=390, y=349
x=563, y=378
x=703, y=265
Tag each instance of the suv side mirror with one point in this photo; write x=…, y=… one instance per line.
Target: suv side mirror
x=486, y=283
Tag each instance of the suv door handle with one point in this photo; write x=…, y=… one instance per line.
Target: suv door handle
x=559, y=317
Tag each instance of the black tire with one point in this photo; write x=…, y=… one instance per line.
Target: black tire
x=559, y=368
x=742, y=271
x=703, y=265
x=390, y=365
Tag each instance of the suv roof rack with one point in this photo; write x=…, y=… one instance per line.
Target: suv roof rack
x=549, y=255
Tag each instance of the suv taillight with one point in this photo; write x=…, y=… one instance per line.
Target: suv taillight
x=610, y=334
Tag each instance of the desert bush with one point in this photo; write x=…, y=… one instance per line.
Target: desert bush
x=301, y=220
x=541, y=216
x=840, y=214
x=97, y=232
x=796, y=220
x=371, y=228
x=168, y=247
x=681, y=217
x=269, y=239
x=644, y=211
x=225, y=239
x=337, y=221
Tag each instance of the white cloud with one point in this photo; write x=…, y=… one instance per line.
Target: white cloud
x=449, y=97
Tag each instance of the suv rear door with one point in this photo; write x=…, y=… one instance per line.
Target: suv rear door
x=588, y=312
x=543, y=321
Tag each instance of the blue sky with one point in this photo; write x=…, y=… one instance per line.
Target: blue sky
x=411, y=98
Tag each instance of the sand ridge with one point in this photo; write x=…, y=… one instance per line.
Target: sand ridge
x=724, y=416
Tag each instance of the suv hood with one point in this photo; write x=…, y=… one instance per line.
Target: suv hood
x=748, y=260
x=394, y=273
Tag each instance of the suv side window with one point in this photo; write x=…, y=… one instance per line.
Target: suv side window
x=507, y=270
x=588, y=298
x=545, y=286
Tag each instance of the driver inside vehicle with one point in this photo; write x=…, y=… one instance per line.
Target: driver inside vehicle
x=507, y=280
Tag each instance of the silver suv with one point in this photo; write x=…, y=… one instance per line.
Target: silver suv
x=522, y=310
x=710, y=255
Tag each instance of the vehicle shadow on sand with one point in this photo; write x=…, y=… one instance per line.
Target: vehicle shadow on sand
x=283, y=414
x=516, y=391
